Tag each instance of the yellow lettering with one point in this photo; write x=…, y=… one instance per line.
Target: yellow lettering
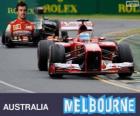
x=54, y=8
x=58, y=8
x=30, y=11
x=129, y=9
x=123, y=9
x=11, y=11
x=66, y=8
x=134, y=9
x=74, y=9
x=59, y=0
x=46, y=7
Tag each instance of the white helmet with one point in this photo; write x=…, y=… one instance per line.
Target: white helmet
x=84, y=36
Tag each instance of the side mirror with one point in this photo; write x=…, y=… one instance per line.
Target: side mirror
x=102, y=38
x=39, y=10
x=70, y=39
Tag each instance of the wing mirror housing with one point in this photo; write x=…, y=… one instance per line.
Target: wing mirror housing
x=39, y=10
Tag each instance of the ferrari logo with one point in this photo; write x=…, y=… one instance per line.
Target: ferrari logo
x=16, y=27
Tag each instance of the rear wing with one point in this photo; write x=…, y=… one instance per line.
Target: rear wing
x=74, y=25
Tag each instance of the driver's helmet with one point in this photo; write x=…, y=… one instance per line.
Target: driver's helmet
x=84, y=36
x=49, y=27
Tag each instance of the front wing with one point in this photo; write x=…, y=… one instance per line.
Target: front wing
x=74, y=69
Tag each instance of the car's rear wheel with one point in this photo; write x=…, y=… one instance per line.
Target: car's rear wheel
x=3, y=38
x=56, y=55
x=125, y=55
x=36, y=38
x=42, y=52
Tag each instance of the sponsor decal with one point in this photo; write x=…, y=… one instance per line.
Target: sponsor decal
x=58, y=8
x=29, y=27
x=22, y=32
x=67, y=66
x=16, y=27
x=11, y=10
x=131, y=6
x=74, y=25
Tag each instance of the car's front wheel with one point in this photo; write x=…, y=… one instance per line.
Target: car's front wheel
x=42, y=53
x=125, y=55
x=56, y=55
x=9, y=43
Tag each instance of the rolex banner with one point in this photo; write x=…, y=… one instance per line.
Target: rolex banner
x=68, y=7
x=70, y=104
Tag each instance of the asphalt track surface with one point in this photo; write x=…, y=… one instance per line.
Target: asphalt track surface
x=19, y=72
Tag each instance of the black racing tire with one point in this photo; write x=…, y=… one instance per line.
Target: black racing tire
x=6, y=40
x=56, y=55
x=3, y=38
x=42, y=53
x=9, y=43
x=125, y=55
x=36, y=38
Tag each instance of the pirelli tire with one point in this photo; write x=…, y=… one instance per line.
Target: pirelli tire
x=42, y=53
x=9, y=43
x=56, y=55
x=125, y=55
x=6, y=40
x=3, y=38
x=36, y=38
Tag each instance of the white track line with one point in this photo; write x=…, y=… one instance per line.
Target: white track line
x=16, y=87
x=126, y=38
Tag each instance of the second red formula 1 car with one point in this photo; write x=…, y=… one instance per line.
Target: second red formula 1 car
x=84, y=54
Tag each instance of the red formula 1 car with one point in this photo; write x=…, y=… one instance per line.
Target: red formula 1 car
x=84, y=54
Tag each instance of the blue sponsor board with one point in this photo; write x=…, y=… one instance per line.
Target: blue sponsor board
x=69, y=104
